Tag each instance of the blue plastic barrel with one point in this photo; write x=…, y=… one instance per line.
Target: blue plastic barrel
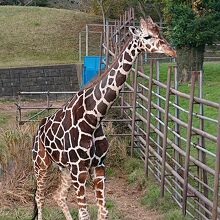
x=91, y=68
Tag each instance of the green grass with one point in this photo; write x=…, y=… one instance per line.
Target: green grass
x=151, y=196
x=56, y=213
x=4, y=117
x=39, y=36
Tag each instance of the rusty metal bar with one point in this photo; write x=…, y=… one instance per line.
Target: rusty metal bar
x=165, y=132
x=181, y=94
x=134, y=107
x=87, y=40
x=107, y=45
x=189, y=134
x=148, y=120
x=80, y=47
x=217, y=172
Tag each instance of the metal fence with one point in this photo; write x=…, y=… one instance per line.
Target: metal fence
x=176, y=133
x=170, y=129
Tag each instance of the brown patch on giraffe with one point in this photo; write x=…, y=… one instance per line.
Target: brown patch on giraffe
x=97, y=92
x=49, y=134
x=98, y=132
x=74, y=134
x=127, y=57
x=85, y=141
x=59, y=144
x=129, y=46
x=102, y=108
x=112, y=72
x=153, y=50
x=133, y=52
x=49, y=150
x=64, y=158
x=101, y=147
x=126, y=66
x=110, y=81
x=81, y=178
x=90, y=103
x=110, y=95
x=53, y=145
x=60, y=132
x=73, y=156
x=85, y=127
x=74, y=170
x=95, y=162
x=89, y=91
x=48, y=124
x=55, y=127
x=99, y=194
x=104, y=82
x=91, y=119
x=148, y=46
x=56, y=155
x=120, y=79
x=67, y=122
x=78, y=114
x=59, y=115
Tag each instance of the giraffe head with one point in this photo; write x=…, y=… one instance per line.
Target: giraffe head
x=149, y=38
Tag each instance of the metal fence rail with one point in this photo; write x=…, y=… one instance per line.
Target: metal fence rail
x=171, y=137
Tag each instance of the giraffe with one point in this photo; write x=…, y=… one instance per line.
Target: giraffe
x=73, y=137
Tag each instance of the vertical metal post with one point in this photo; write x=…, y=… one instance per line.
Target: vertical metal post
x=150, y=85
x=87, y=40
x=158, y=111
x=177, y=141
x=165, y=131
x=217, y=172
x=188, y=141
x=80, y=47
x=107, y=44
x=101, y=44
x=202, y=155
x=134, y=107
x=48, y=102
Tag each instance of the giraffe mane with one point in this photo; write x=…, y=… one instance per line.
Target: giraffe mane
x=98, y=78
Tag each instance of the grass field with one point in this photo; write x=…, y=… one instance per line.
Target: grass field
x=38, y=36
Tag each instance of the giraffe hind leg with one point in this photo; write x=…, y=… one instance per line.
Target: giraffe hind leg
x=61, y=194
x=41, y=164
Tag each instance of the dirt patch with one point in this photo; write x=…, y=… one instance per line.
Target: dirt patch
x=126, y=198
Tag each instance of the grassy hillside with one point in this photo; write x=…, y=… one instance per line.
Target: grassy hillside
x=37, y=36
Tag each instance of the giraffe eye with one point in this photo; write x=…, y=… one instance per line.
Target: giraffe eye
x=147, y=37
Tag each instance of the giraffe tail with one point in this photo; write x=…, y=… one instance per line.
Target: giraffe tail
x=35, y=213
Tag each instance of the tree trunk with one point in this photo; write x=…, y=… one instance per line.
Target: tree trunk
x=189, y=59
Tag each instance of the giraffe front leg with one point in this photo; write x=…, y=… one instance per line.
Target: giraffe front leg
x=61, y=194
x=79, y=183
x=99, y=187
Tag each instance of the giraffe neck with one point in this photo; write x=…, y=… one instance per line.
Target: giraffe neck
x=105, y=92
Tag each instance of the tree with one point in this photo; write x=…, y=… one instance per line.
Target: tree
x=192, y=25
x=154, y=8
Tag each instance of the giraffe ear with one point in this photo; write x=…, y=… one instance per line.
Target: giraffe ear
x=134, y=31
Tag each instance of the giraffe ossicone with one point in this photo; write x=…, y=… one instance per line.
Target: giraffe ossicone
x=73, y=137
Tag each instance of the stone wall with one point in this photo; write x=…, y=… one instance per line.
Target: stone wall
x=54, y=78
